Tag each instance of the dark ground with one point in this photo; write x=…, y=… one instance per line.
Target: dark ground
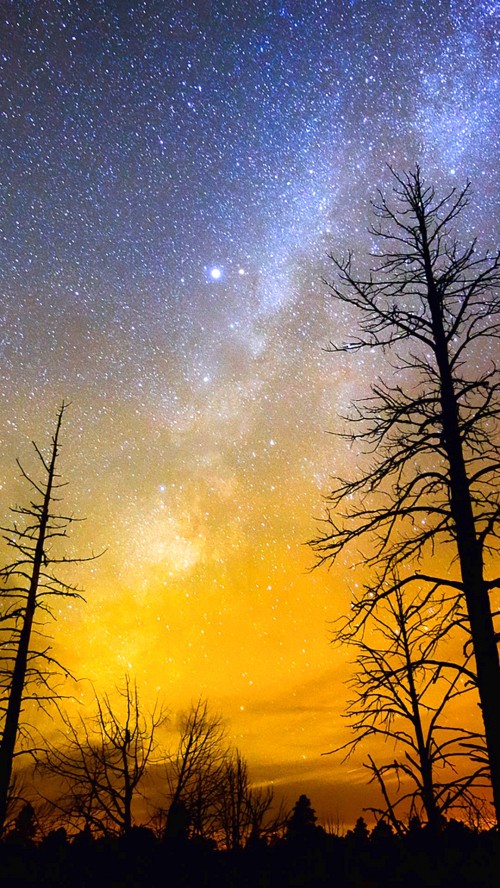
x=460, y=859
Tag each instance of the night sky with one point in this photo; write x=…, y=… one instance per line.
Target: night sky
x=173, y=177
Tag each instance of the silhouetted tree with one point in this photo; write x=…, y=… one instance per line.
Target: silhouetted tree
x=195, y=771
x=360, y=832
x=405, y=687
x=244, y=812
x=28, y=671
x=269, y=816
x=25, y=826
x=232, y=805
x=381, y=832
x=433, y=306
x=301, y=826
x=103, y=762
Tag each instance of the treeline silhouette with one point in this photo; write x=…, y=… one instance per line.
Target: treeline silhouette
x=300, y=854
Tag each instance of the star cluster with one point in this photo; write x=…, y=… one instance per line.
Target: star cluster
x=173, y=177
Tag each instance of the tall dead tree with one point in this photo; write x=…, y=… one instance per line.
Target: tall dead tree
x=28, y=671
x=432, y=307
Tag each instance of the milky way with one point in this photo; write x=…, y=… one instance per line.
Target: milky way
x=173, y=177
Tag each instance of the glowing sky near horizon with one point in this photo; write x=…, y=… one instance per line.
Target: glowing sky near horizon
x=173, y=176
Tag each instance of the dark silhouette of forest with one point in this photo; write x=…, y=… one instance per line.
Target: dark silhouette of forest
x=424, y=638
x=300, y=854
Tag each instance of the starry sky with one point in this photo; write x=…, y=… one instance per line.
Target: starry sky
x=173, y=175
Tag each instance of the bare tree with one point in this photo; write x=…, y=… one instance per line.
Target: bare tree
x=28, y=671
x=244, y=811
x=433, y=307
x=406, y=688
x=103, y=762
x=232, y=803
x=195, y=771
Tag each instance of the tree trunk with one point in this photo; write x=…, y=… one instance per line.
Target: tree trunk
x=469, y=547
x=428, y=794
